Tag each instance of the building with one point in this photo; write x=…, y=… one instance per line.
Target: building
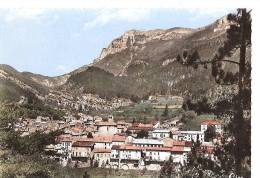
x=137, y=127
x=106, y=128
x=82, y=150
x=118, y=140
x=103, y=141
x=214, y=123
x=65, y=148
x=150, y=158
x=161, y=133
x=147, y=142
x=121, y=126
x=188, y=135
x=101, y=157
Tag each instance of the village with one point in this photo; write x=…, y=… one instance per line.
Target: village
x=102, y=141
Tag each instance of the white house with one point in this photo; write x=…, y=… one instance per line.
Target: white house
x=102, y=141
x=148, y=142
x=106, y=128
x=82, y=150
x=161, y=133
x=188, y=135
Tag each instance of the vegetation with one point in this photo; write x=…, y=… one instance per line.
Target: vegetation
x=239, y=37
x=142, y=134
x=144, y=113
x=210, y=133
x=169, y=169
x=30, y=144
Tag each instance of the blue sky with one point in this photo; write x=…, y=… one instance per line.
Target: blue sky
x=55, y=41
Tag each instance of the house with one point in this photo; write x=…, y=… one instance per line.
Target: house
x=76, y=130
x=82, y=150
x=188, y=135
x=101, y=157
x=66, y=145
x=137, y=127
x=103, y=141
x=148, y=142
x=121, y=126
x=106, y=128
x=137, y=157
x=118, y=140
x=88, y=120
x=161, y=133
x=205, y=124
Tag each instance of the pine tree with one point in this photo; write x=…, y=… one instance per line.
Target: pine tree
x=166, y=112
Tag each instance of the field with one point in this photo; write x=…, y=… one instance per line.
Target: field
x=143, y=112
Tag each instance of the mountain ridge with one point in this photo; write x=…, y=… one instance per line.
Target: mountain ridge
x=140, y=63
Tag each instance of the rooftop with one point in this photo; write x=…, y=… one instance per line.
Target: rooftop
x=118, y=138
x=102, y=138
x=210, y=122
x=137, y=148
x=101, y=150
x=105, y=123
x=82, y=144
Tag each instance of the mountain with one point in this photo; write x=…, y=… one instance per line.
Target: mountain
x=135, y=65
x=140, y=63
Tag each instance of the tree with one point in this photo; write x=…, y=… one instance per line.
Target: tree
x=166, y=112
x=238, y=38
x=185, y=54
x=179, y=59
x=89, y=135
x=169, y=169
x=210, y=133
x=193, y=58
x=86, y=175
x=142, y=134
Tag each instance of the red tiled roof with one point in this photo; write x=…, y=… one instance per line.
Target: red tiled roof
x=77, y=129
x=140, y=126
x=118, y=138
x=105, y=123
x=102, y=138
x=101, y=150
x=210, y=122
x=165, y=149
x=64, y=138
x=178, y=143
x=82, y=144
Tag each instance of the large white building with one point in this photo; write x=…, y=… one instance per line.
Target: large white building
x=188, y=135
x=142, y=142
x=151, y=158
x=161, y=133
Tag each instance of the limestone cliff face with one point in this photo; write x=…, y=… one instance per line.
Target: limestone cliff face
x=136, y=37
x=161, y=45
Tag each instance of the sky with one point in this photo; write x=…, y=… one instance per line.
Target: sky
x=56, y=41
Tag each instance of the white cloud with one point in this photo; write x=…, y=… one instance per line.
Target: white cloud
x=61, y=68
x=106, y=16
x=25, y=14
